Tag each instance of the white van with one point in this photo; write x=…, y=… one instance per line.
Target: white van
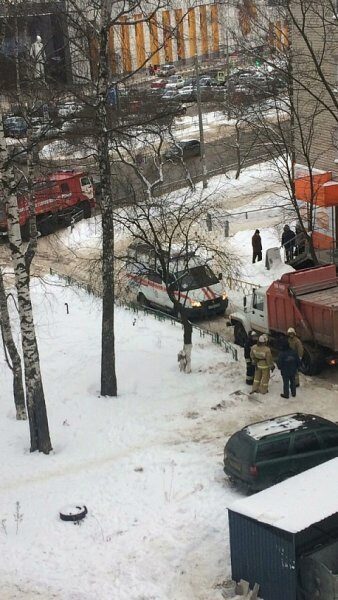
x=195, y=285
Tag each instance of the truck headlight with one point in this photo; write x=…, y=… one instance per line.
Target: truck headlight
x=195, y=303
x=224, y=296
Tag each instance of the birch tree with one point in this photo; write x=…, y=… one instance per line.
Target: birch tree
x=12, y=356
x=22, y=258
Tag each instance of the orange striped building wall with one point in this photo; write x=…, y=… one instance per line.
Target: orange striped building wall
x=178, y=35
x=170, y=36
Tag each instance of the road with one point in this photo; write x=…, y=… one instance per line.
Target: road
x=221, y=154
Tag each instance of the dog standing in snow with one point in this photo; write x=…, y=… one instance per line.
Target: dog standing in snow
x=182, y=360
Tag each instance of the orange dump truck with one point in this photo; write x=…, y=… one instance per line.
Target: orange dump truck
x=306, y=300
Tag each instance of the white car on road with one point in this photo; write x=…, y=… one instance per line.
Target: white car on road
x=175, y=82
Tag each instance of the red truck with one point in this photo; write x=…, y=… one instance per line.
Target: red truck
x=306, y=300
x=59, y=198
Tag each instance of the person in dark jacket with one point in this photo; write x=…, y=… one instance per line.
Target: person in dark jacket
x=300, y=240
x=288, y=363
x=256, y=246
x=288, y=242
x=250, y=367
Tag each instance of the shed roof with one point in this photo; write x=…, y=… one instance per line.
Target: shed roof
x=296, y=503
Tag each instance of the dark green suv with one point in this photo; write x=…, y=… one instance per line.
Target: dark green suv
x=265, y=453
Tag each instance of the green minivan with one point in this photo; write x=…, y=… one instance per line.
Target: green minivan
x=267, y=452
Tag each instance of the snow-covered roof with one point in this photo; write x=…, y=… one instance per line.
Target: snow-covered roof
x=296, y=503
x=275, y=425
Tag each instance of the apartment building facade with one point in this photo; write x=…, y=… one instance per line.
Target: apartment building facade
x=174, y=33
x=182, y=30
x=315, y=56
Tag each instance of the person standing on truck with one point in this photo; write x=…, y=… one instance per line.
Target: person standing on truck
x=262, y=359
x=295, y=344
x=300, y=240
x=288, y=363
x=256, y=246
x=288, y=242
x=250, y=367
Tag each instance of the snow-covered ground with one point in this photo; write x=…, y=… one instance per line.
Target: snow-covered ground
x=147, y=464
x=256, y=199
x=215, y=122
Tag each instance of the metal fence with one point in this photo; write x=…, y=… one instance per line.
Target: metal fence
x=214, y=337
x=239, y=285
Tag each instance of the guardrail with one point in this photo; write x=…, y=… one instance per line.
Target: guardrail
x=214, y=337
x=239, y=285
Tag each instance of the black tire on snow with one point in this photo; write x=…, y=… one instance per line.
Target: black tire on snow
x=47, y=225
x=142, y=300
x=240, y=334
x=312, y=361
x=73, y=513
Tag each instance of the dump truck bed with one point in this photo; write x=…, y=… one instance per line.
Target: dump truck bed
x=308, y=301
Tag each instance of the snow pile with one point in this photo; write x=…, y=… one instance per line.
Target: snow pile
x=63, y=150
x=257, y=273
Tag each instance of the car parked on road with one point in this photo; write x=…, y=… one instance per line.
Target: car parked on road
x=268, y=452
x=175, y=81
x=166, y=70
x=171, y=94
x=14, y=126
x=183, y=149
x=206, y=81
x=174, y=104
x=188, y=93
x=158, y=83
x=69, y=109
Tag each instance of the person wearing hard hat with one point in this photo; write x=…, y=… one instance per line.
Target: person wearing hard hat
x=297, y=346
x=250, y=367
x=262, y=359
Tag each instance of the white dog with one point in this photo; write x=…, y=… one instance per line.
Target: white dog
x=182, y=360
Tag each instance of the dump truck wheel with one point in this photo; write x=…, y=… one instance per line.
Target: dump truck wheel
x=312, y=361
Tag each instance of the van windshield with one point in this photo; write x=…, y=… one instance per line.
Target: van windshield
x=195, y=277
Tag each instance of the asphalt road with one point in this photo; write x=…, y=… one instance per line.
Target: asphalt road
x=221, y=155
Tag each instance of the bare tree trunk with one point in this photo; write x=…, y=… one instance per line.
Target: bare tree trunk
x=10, y=347
x=38, y=423
x=108, y=373
x=238, y=151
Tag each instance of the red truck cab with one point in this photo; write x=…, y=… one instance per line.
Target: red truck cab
x=59, y=199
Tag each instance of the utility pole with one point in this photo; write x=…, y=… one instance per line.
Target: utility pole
x=227, y=63
x=200, y=123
